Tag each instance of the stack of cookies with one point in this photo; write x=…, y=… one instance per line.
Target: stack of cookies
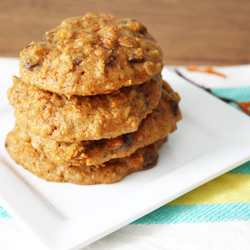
x=90, y=105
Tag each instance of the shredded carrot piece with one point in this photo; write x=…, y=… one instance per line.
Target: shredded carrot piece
x=118, y=143
x=83, y=159
x=208, y=70
x=141, y=159
x=97, y=28
x=244, y=106
x=114, y=104
x=107, y=41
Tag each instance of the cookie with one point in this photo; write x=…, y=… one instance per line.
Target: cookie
x=156, y=126
x=83, y=117
x=90, y=55
x=113, y=171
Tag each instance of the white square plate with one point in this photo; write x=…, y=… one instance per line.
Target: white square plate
x=211, y=139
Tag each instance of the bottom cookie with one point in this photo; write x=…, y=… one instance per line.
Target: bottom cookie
x=110, y=172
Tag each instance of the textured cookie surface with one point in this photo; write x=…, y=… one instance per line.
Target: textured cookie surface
x=154, y=127
x=113, y=171
x=83, y=118
x=94, y=54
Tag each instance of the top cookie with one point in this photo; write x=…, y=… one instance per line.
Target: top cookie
x=90, y=55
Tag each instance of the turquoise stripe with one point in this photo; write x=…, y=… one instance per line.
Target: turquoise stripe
x=238, y=94
x=243, y=169
x=3, y=213
x=197, y=213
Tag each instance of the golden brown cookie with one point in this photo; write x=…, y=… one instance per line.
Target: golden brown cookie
x=113, y=171
x=83, y=117
x=156, y=126
x=90, y=55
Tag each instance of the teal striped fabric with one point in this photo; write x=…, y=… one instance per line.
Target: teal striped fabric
x=237, y=94
x=197, y=214
x=4, y=213
x=243, y=169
